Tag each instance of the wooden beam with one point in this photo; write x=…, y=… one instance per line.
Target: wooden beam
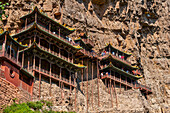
x=112, y=95
x=82, y=76
x=115, y=94
x=98, y=84
x=92, y=84
x=39, y=86
x=87, y=84
x=75, y=91
x=50, y=78
x=23, y=59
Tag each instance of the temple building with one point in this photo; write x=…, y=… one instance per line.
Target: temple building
x=42, y=50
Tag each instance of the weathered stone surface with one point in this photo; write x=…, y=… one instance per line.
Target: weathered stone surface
x=126, y=25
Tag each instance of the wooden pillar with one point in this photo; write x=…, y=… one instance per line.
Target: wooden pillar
x=92, y=84
x=32, y=85
x=28, y=63
x=72, y=58
x=39, y=78
x=36, y=17
x=25, y=23
x=39, y=86
x=23, y=59
x=98, y=84
x=10, y=49
x=59, y=53
x=75, y=91
x=126, y=83
x=50, y=78
x=82, y=76
x=60, y=77
x=4, y=44
x=120, y=84
x=18, y=55
x=70, y=80
x=62, y=93
x=34, y=62
x=49, y=47
x=59, y=32
x=115, y=94
x=68, y=57
x=50, y=27
x=87, y=84
x=112, y=95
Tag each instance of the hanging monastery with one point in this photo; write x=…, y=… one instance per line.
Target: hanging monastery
x=42, y=50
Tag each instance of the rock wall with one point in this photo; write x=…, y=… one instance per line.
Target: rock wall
x=137, y=26
x=10, y=93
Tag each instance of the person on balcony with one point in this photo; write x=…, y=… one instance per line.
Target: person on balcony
x=101, y=74
x=122, y=57
x=113, y=53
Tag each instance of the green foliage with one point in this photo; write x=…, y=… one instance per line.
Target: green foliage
x=26, y=107
x=35, y=105
x=47, y=103
x=2, y=8
x=18, y=108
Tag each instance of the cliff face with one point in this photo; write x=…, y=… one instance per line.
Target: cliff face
x=137, y=26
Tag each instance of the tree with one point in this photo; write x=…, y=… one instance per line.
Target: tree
x=2, y=9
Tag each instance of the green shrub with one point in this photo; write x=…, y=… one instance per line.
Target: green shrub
x=18, y=108
x=35, y=105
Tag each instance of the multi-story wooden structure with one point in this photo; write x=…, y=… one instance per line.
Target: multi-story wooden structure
x=42, y=48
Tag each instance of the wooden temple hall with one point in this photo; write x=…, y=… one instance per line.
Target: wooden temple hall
x=42, y=49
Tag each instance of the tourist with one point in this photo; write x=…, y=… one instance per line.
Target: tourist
x=113, y=53
x=101, y=74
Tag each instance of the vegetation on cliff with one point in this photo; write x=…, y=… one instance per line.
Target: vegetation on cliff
x=31, y=107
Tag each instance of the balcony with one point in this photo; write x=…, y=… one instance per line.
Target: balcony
x=136, y=86
x=118, y=80
x=47, y=30
x=56, y=54
x=12, y=59
x=53, y=75
x=116, y=57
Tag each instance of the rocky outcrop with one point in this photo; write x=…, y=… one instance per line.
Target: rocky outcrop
x=140, y=27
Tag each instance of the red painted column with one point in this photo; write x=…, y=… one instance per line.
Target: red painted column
x=70, y=80
x=87, y=84
x=98, y=84
x=34, y=62
x=92, y=84
x=115, y=94
x=120, y=83
x=39, y=78
x=75, y=92
x=39, y=86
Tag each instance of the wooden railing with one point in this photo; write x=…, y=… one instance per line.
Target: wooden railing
x=116, y=57
x=52, y=74
x=137, y=85
x=56, y=54
x=13, y=59
x=129, y=72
